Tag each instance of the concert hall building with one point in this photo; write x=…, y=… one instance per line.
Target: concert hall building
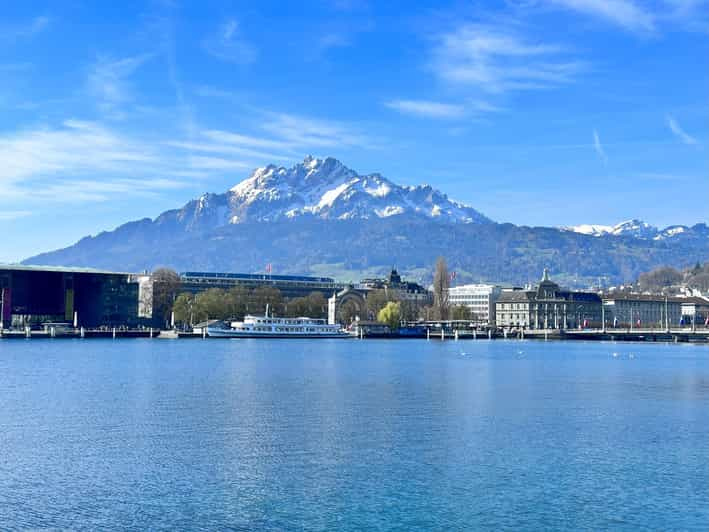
x=32, y=295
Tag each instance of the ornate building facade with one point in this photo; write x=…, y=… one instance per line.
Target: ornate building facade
x=548, y=306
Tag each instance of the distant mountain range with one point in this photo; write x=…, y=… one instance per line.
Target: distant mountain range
x=634, y=228
x=323, y=218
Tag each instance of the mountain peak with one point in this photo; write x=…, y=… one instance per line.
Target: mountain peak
x=326, y=188
x=312, y=163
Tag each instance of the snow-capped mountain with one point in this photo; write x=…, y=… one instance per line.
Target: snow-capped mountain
x=321, y=217
x=322, y=188
x=633, y=228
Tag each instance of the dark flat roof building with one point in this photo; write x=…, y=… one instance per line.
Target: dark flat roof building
x=31, y=295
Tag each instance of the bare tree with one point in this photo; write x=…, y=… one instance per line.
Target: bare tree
x=166, y=284
x=441, y=283
x=349, y=312
x=378, y=298
x=659, y=280
x=700, y=282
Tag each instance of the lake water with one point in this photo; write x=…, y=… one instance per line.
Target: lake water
x=353, y=435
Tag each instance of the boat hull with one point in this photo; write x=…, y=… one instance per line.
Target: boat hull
x=234, y=334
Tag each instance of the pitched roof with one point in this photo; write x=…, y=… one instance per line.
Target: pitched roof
x=517, y=295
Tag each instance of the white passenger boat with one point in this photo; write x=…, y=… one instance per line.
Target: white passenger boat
x=272, y=327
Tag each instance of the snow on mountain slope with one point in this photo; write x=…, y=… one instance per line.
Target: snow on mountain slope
x=636, y=228
x=671, y=231
x=590, y=229
x=323, y=188
x=633, y=228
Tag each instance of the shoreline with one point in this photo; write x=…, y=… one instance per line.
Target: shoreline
x=650, y=336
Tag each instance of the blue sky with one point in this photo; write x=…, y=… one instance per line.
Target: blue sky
x=536, y=112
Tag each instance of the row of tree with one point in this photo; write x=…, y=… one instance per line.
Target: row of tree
x=236, y=302
x=383, y=305
x=669, y=280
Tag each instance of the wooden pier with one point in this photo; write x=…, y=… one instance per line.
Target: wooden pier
x=618, y=335
x=19, y=334
x=684, y=335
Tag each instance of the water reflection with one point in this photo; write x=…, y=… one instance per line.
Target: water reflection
x=353, y=434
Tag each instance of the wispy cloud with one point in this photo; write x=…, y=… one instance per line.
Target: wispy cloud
x=249, y=141
x=209, y=92
x=227, y=44
x=109, y=82
x=75, y=147
x=13, y=215
x=625, y=13
x=274, y=137
x=218, y=163
x=427, y=108
x=165, y=26
x=77, y=191
x=23, y=30
x=443, y=110
x=300, y=131
x=334, y=40
x=660, y=176
x=678, y=132
x=599, y=147
x=498, y=60
x=78, y=161
x=692, y=15
x=225, y=146
x=340, y=33
x=644, y=17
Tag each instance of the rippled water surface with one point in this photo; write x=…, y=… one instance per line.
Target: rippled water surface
x=352, y=435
